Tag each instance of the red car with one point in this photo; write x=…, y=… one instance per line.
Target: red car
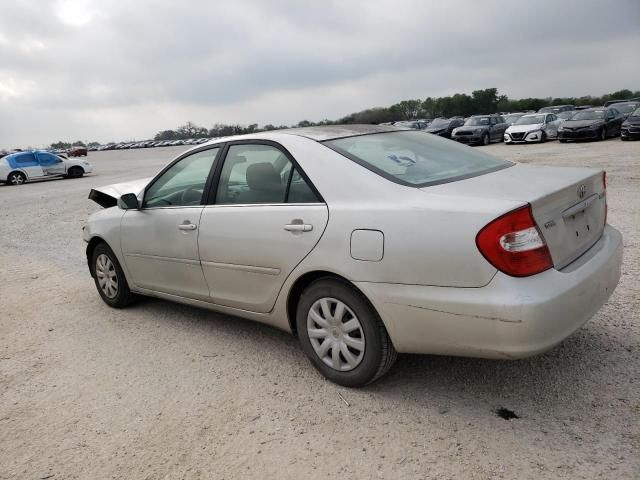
x=77, y=152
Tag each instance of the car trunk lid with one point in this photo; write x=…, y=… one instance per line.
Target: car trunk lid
x=568, y=204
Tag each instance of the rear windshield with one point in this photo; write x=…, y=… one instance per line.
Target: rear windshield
x=416, y=158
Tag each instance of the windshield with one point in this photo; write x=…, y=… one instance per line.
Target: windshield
x=440, y=123
x=511, y=119
x=625, y=107
x=530, y=120
x=416, y=158
x=589, y=115
x=566, y=115
x=477, y=121
x=636, y=113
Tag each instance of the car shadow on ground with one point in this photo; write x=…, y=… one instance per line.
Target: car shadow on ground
x=567, y=371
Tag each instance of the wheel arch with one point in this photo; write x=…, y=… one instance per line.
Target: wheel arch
x=17, y=170
x=302, y=282
x=91, y=246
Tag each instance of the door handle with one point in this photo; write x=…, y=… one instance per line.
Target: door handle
x=187, y=226
x=298, y=227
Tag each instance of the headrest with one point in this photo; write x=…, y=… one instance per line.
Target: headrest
x=262, y=176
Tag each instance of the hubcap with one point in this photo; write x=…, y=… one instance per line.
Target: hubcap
x=106, y=275
x=335, y=334
x=16, y=179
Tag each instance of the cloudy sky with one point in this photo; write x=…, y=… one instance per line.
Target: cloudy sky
x=123, y=69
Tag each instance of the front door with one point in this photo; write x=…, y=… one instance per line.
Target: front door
x=160, y=240
x=264, y=219
x=51, y=164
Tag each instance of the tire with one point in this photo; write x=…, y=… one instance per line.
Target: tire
x=562, y=140
x=366, y=356
x=623, y=138
x=106, y=268
x=485, y=139
x=543, y=137
x=603, y=134
x=16, y=178
x=75, y=172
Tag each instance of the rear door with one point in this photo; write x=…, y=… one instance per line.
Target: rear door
x=264, y=217
x=28, y=163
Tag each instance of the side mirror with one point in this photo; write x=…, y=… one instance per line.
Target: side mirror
x=128, y=201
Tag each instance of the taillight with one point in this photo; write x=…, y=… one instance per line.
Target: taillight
x=513, y=244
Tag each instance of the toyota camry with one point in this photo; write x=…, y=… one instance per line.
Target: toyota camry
x=364, y=241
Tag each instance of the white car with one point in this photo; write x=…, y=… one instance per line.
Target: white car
x=20, y=167
x=364, y=241
x=533, y=128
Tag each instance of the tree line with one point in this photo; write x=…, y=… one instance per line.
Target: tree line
x=483, y=101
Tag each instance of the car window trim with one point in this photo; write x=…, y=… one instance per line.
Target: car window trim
x=210, y=195
x=180, y=157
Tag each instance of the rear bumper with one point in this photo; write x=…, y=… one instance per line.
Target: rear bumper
x=509, y=317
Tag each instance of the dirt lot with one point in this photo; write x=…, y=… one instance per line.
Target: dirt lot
x=168, y=391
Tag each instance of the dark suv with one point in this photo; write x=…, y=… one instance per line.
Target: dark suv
x=480, y=130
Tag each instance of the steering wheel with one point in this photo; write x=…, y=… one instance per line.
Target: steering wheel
x=191, y=195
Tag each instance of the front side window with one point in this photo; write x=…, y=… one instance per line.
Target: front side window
x=183, y=183
x=47, y=159
x=416, y=158
x=256, y=173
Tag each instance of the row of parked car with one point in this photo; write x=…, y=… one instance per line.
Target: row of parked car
x=562, y=122
x=149, y=143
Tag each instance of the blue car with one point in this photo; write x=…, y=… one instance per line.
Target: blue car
x=20, y=167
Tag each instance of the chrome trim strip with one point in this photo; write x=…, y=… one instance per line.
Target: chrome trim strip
x=242, y=268
x=165, y=259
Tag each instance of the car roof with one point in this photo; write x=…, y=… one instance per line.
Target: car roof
x=332, y=132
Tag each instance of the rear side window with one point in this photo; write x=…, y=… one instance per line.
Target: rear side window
x=255, y=173
x=416, y=158
x=25, y=160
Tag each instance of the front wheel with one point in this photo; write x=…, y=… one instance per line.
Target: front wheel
x=562, y=140
x=342, y=334
x=543, y=137
x=109, y=277
x=485, y=139
x=75, y=172
x=16, y=178
x=603, y=134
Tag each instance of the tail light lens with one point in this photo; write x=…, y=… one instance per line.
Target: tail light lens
x=514, y=245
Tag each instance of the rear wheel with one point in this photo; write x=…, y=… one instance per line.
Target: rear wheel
x=16, y=178
x=562, y=140
x=342, y=334
x=109, y=277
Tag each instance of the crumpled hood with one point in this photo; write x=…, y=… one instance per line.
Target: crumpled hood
x=108, y=195
x=524, y=128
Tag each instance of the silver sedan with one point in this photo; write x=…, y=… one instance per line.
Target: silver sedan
x=364, y=241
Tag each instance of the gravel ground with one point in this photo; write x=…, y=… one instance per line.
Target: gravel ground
x=162, y=390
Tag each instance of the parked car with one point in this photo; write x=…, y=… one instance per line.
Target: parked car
x=444, y=126
x=77, y=152
x=480, y=130
x=591, y=124
x=364, y=241
x=533, y=128
x=557, y=109
x=614, y=102
x=21, y=167
x=511, y=118
x=626, y=108
x=631, y=127
x=415, y=124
